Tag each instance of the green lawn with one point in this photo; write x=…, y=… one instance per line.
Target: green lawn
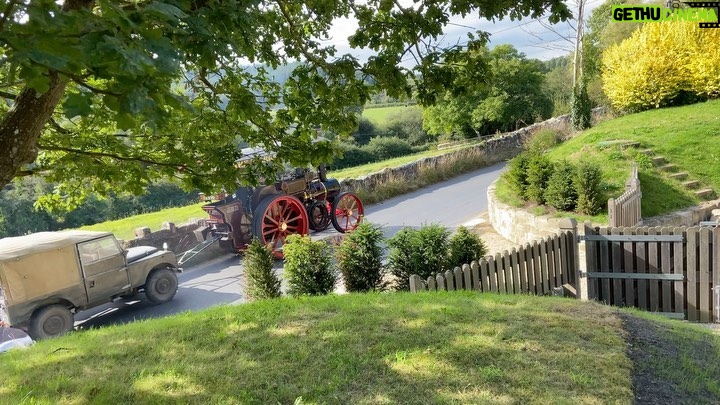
x=379, y=115
x=125, y=228
x=429, y=348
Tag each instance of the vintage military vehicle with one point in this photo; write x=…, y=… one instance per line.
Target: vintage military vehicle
x=45, y=277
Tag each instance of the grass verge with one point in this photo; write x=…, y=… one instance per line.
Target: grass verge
x=448, y=166
x=457, y=347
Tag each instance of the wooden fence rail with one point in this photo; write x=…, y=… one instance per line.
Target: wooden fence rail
x=667, y=270
x=535, y=268
x=625, y=210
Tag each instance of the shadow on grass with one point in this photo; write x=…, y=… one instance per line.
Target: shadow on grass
x=375, y=348
x=660, y=195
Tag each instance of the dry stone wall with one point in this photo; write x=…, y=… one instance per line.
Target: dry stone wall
x=496, y=149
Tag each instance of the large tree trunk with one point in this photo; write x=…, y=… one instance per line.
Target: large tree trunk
x=22, y=126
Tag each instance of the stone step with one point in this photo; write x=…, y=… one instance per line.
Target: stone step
x=658, y=160
x=706, y=193
x=679, y=176
x=691, y=184
x=631, y=144
x=648, y=152
x=668, y=168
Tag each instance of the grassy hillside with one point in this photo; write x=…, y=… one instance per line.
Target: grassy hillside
x=457, y=347
x=687, y=137
x=125, y=228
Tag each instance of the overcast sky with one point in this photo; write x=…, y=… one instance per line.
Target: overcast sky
x=527, y=35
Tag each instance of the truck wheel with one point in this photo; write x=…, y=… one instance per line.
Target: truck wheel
x=161, y=286
x=50, y=321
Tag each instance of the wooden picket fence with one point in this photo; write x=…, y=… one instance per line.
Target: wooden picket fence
x=668, y=270
x=625, y=210
x=535, y=268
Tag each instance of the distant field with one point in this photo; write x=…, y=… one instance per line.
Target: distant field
x=379, y=115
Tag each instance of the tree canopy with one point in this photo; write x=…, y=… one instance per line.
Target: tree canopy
x=509, y=95
x=104, y=95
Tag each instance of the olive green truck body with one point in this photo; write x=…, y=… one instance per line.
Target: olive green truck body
x=47, y=275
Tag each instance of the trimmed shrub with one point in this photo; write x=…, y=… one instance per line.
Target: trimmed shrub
x=360, y=259
x=465, y=247
x=382, y=148
x=517, y=174
x=587, y=184
x=561, y=193
x=309, y=268
x=261, y=282
x=539, y=170
x=421, y=251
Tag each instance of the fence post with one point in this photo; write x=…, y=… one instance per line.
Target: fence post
x=416, y=283
x=570, y=225
x=612, y=213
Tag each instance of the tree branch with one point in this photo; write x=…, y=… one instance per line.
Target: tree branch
x=6, y=13
x=118, y=157
x=77, y=79
x=293, y=31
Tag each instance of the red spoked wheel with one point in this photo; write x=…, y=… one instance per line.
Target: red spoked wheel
x=275, y=218
x=346, y=212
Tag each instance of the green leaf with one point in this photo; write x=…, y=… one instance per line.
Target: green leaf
x=125, y=121
x=168, y=11
x=77, y=104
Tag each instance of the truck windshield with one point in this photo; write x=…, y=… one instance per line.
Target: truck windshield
x=98, y=249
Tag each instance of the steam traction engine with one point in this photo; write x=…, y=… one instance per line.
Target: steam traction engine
x=299, y=201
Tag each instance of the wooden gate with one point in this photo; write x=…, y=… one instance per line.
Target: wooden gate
x=667, y=270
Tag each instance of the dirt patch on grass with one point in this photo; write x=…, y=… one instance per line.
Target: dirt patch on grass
x=648, y=345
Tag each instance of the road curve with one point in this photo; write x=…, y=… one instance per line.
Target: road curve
x=450, y=203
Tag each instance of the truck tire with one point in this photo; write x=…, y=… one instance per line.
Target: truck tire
x=161, y=286
x=50, y=321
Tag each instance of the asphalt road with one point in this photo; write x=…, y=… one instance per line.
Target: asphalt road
x=452, y=203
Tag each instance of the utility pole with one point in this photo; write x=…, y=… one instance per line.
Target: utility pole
x=578, y=61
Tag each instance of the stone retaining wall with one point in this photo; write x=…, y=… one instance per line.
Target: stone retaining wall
x=687, y=217
x=516, y=224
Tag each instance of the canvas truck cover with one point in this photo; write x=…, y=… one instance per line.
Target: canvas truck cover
x=35, y=265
